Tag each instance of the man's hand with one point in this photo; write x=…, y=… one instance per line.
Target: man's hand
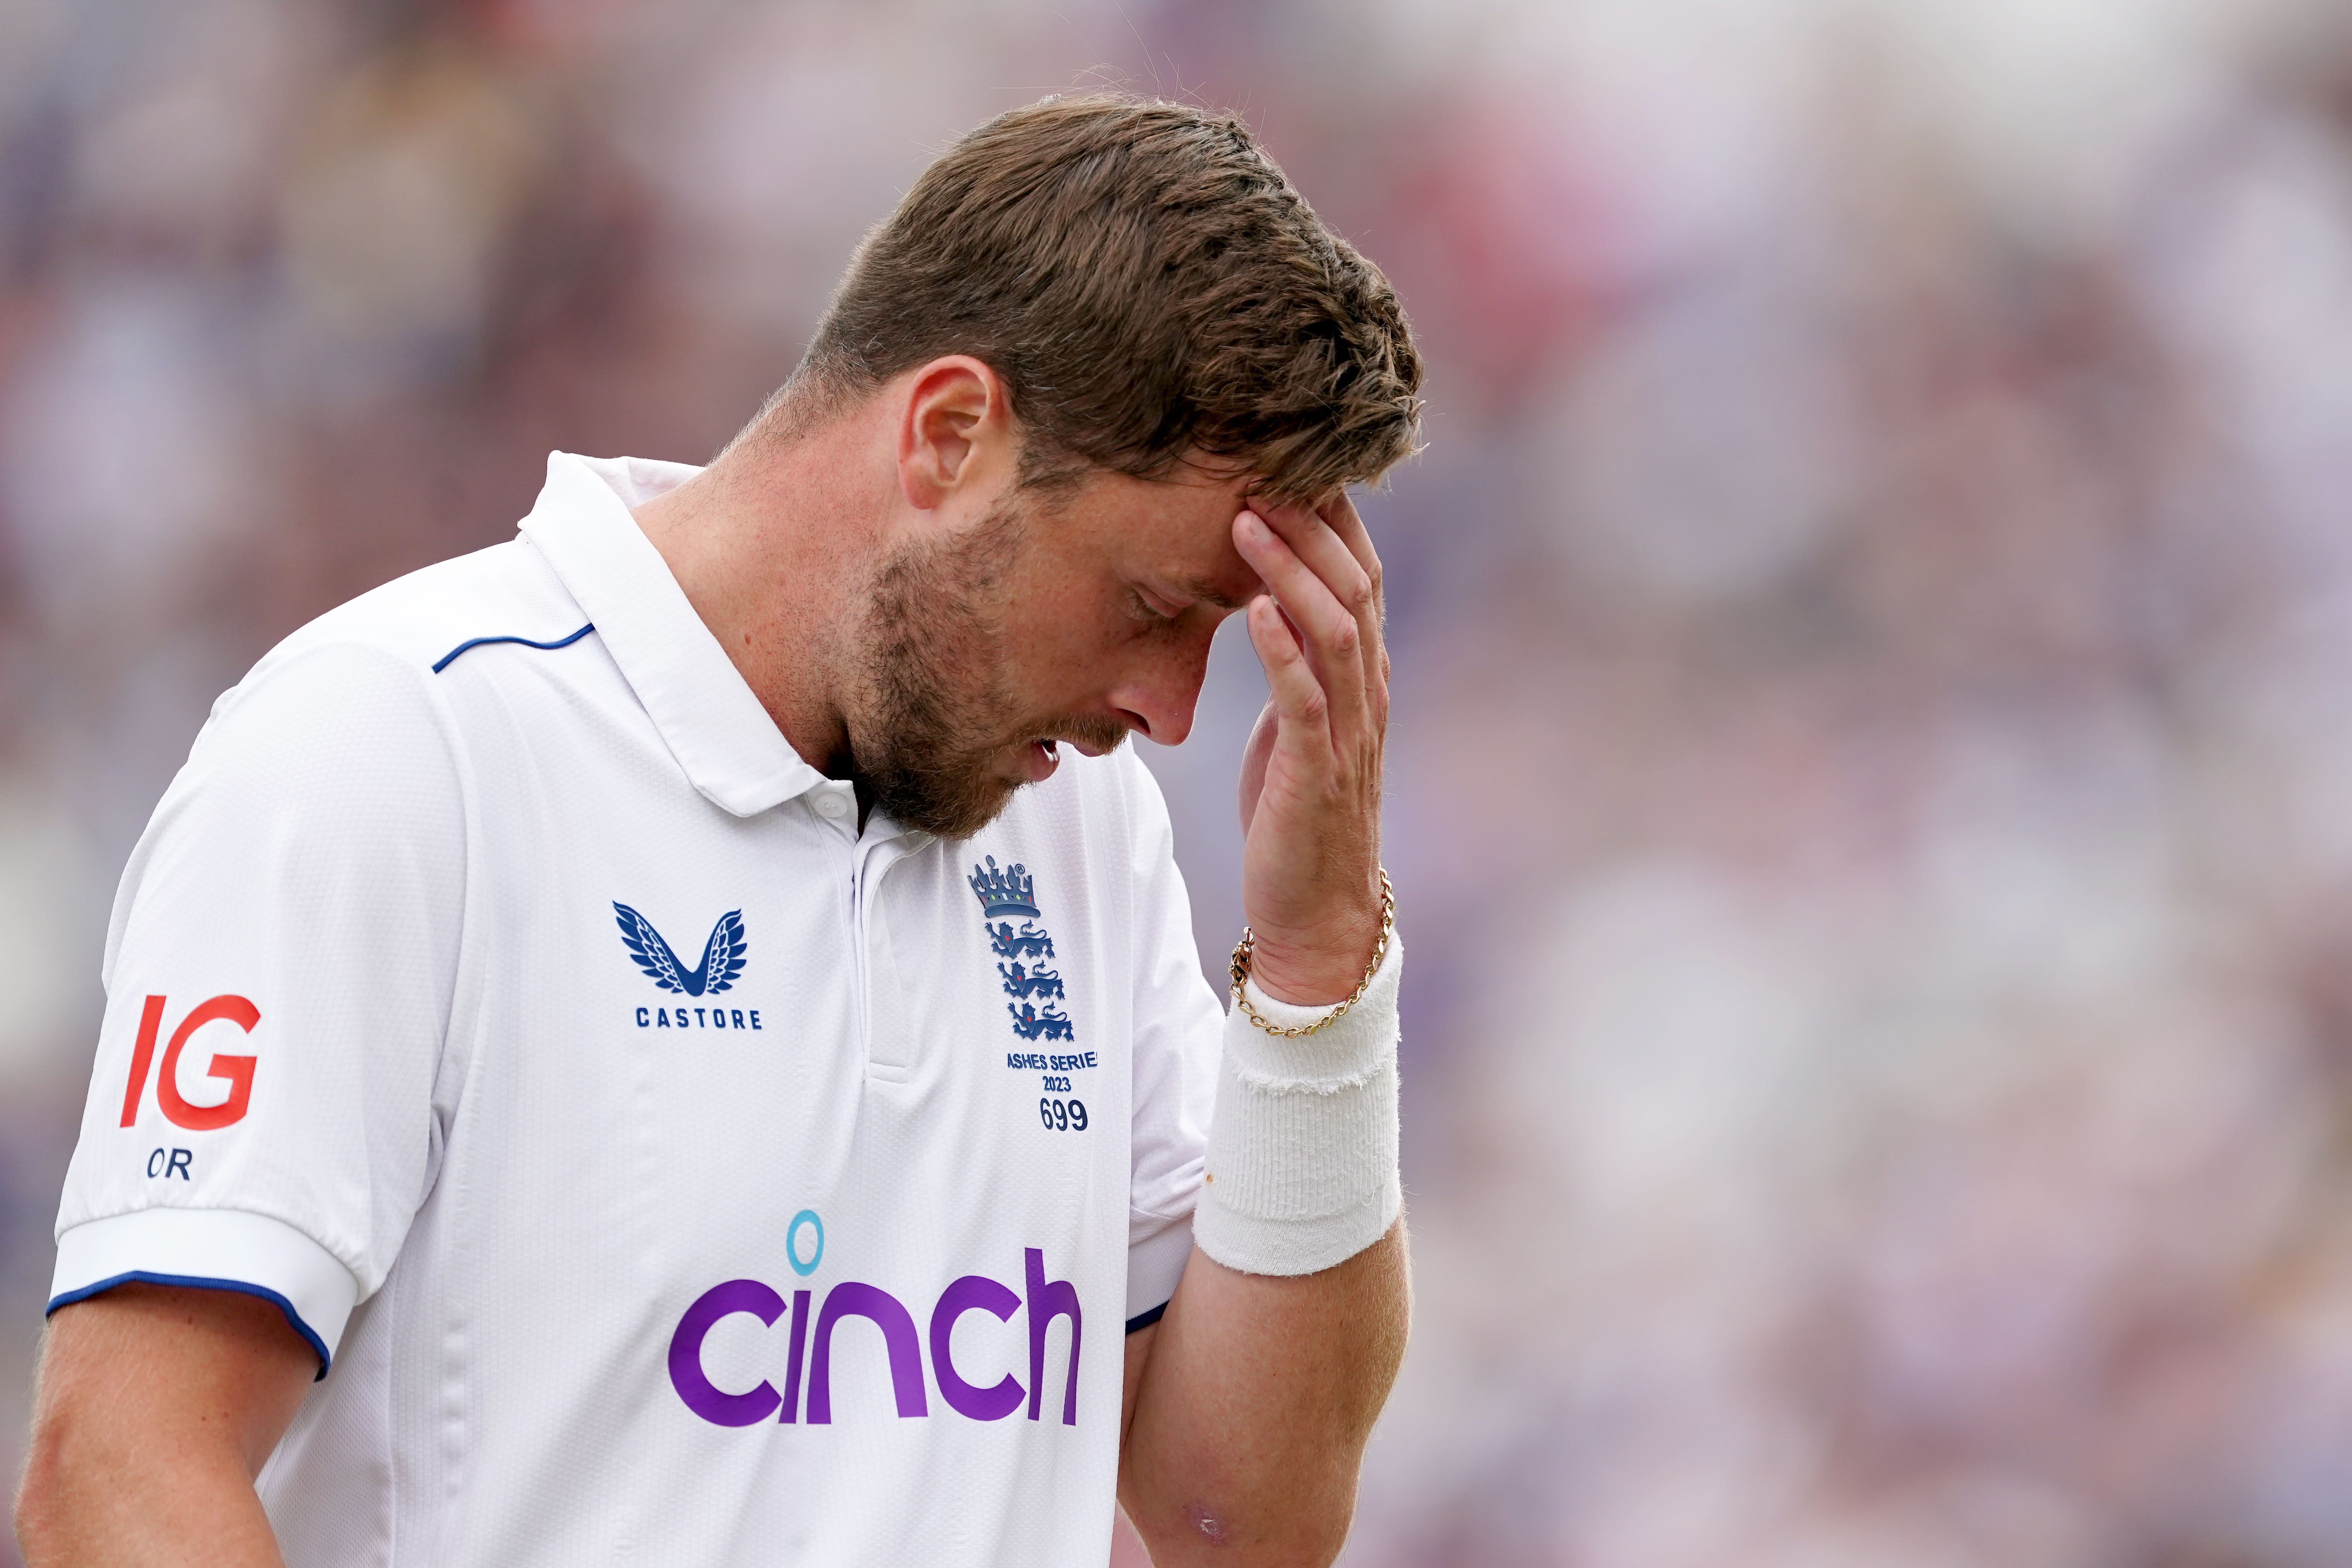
x=156, y=1407
x=1310, y=783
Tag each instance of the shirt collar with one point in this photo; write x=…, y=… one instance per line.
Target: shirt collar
x=714, y=726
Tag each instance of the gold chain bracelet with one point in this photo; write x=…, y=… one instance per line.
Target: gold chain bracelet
x=1243, y=949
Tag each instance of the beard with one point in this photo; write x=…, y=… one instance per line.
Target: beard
x=932, y=724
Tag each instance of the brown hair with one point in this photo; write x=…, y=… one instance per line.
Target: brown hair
x=1149, y=287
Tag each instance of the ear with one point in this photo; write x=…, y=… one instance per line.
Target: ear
x=955, y=432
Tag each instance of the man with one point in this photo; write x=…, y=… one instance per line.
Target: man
x=799, y=1241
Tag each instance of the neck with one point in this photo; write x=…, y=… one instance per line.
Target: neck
x=771, y=543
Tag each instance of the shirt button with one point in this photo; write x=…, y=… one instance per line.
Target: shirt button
x=830, y=805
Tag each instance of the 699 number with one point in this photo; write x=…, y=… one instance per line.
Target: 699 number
x=1063, y=1115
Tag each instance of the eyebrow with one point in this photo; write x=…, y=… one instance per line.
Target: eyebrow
x=1208, y=593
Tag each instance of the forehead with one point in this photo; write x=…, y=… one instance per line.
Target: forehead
x=1178, y=529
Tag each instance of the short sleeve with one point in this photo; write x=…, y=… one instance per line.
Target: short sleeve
x=1179, y=1033
x=279, y=977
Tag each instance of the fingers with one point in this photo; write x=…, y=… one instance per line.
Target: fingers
x=1333, y=544
x=1344, y=567
x=1340, y=516
x=1330, y=633
x=1298, y=696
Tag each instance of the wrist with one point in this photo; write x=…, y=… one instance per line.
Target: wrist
x=1319, y=972
x=1301, y=1165
x=1309, y=975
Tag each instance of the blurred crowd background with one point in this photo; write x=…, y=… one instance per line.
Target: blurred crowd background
x=1871, y=772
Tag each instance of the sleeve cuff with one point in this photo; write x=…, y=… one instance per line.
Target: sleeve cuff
x=217, y=1249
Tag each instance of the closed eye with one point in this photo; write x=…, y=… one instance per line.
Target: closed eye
x=1142, y=607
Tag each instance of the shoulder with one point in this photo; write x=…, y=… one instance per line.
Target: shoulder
x=353, y=700
x=429, y=617
x=373, y=659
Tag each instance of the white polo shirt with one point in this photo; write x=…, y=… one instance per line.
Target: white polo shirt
x=669, y=1170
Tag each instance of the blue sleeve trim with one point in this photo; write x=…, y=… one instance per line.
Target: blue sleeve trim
x=1145, y=1320
x=141, y=1276
x=451, y=657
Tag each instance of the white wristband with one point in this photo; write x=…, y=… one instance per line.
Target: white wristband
x=1303, y=1153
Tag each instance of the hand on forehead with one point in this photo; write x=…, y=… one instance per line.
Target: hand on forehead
x=1328, y=535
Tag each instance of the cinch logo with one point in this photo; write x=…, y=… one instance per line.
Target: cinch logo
x=722, y=955
x=235, y=1071
x=1045, y=1300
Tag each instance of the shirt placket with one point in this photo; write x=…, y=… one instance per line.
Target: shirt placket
x=876, y=1002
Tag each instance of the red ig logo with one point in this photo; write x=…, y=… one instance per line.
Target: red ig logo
x=236, y=1072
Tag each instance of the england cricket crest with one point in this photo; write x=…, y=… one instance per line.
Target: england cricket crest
x=1036, y=989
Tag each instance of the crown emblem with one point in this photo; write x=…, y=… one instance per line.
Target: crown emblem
x=1011, y=891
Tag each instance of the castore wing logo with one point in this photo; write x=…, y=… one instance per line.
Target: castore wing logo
x=722, y=955
x=1032, y=987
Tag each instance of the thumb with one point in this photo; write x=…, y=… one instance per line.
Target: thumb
x=1253, y=760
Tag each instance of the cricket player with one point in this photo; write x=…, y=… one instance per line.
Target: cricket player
x=676, y=1038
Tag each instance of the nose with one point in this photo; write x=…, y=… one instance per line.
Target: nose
x=1156, y=696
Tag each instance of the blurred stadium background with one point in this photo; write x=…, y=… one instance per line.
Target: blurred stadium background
x=1872, y=773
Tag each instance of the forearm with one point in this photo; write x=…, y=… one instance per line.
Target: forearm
x=1256, y=1401
x=155, y=1409
x=1276, y=1355
x=125, y=1499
